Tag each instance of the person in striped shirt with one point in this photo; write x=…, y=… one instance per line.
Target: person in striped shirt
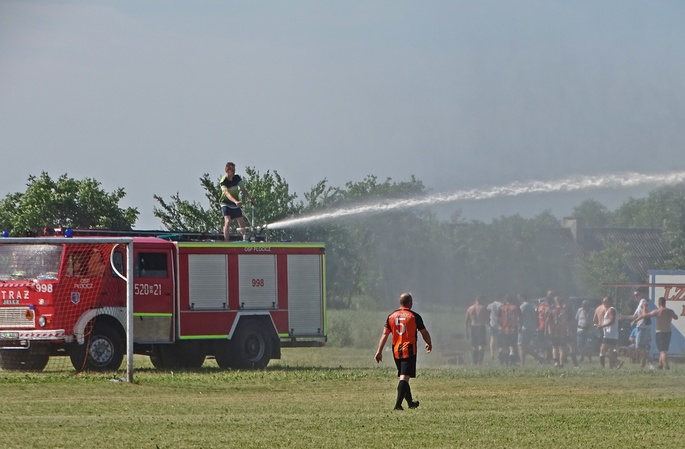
x=404, y=324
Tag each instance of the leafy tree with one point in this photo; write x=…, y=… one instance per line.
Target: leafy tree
x=507, y=256
x=370, y=255
x=190, y=216
x=273, y=199
x=674, y=227
x=593, y=214
x=662, y=208
x=600, y=267
x=64, y=202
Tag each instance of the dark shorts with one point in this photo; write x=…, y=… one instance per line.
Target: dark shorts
x=494, y=331
x=543, y=340
x=507, y=340
x=406, y=367
x=233, y=212
x=609, y=341
x=663, y=341
x=559, y=341
x=478, y=336
x=526, y=337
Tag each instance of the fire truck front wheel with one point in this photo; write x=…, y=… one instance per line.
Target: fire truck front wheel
x=102, y=351
x=34, y=358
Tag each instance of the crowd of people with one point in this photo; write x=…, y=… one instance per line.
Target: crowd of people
x=551, y=330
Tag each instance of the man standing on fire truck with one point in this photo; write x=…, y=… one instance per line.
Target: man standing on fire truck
x=404, y=325
x=230, y=204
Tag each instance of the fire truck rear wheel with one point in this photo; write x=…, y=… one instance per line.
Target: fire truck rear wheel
x=251, y=346
x=164, y=357
x=34, y=358
x=103, y=350
x=167, y=357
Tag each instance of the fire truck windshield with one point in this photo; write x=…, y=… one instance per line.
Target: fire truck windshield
x=26, y=262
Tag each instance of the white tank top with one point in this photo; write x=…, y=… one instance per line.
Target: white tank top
x=610, y=331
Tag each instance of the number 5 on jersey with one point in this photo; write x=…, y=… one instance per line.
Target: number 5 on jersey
x=400, y=327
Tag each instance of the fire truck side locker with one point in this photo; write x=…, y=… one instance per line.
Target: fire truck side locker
x=244, y=301
x=306, y=296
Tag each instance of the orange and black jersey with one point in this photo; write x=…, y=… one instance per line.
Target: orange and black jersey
x=404, y=325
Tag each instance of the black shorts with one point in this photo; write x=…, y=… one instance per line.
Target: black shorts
x=559, y=341
x=478, y=336
x=406, y=367
x=507, y=341
x=233, y=212
x=610, y=341
x=663, y=341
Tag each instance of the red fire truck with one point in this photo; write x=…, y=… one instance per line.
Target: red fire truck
x=239, y=302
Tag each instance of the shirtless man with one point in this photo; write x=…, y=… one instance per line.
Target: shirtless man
x=596, y=322
x=477, y=317
x=663, y=317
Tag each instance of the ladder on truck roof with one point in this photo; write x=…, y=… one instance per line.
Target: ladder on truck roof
x=166, y=235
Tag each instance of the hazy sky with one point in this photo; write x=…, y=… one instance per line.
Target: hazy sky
x=149, y=95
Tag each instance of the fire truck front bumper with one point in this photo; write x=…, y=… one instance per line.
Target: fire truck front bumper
x=22, y=338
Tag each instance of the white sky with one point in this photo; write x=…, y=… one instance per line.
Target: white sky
x=150, y=95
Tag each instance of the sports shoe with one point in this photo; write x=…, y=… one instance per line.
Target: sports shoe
x=414, y=404
x=398, y=407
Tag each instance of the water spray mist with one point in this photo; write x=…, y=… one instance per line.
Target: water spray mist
x=614, y=181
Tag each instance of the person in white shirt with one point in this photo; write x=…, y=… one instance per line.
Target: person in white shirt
x=643, y=325
x=609, y=327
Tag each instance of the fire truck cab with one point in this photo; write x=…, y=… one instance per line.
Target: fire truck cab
x=238, y=302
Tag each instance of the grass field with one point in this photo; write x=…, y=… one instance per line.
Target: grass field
x=336, y=397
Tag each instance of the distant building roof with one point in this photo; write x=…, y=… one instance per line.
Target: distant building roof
x=646, y=247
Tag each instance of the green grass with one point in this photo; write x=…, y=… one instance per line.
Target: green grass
x=338, y=398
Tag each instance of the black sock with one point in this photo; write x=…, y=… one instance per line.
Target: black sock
x=402, y=387
x=407, y=394
x=474, y=354
x=601, y=360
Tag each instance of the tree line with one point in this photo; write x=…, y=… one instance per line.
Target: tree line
x=371, y=258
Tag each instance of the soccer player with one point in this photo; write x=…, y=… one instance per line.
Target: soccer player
x=557, y=329
x=529, y=323
x=404, y=325
x=477, y=318
x=509, y=326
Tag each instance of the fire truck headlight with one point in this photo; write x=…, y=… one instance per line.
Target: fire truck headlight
x=42, y=321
